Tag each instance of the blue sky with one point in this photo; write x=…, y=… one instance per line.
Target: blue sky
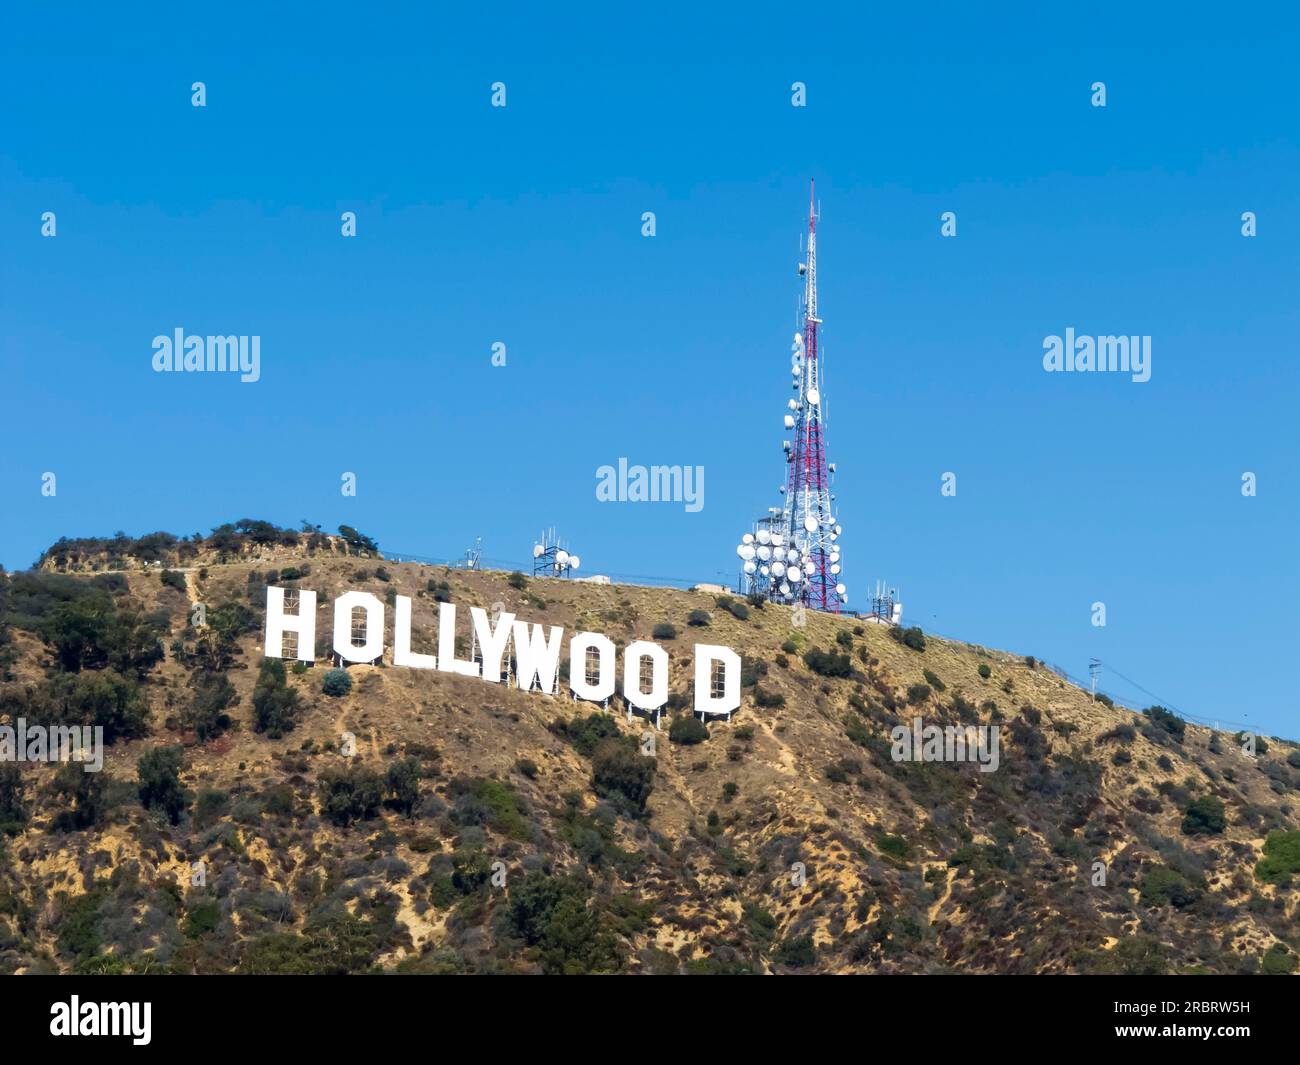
x=523, y=225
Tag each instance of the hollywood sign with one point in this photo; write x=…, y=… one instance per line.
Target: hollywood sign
x=593, y=658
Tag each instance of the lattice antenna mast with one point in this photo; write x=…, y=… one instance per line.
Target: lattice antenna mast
x=808, y=498
x=792, y=556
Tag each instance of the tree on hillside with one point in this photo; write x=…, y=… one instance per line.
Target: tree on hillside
x=275, y=704
x=160, y=781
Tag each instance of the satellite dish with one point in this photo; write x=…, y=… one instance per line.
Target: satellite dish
x=764, y=553
x=785, y=589
x=794, y=371
x=810, y=568
x=841, y=590
x=745, y=551
x=778, y=568
x=794, y=576
x=794, y=405
x=792, y=555
x=810, y=524
x=561, y=558
x=838, y=530
x=574, y=561
x=764, y=536
x=789, y=421
x=835, y=568
x=776, y=539
x=751, y=567
x=537, y=550
x=814, y=397
x=763, y=570
x=748, y=538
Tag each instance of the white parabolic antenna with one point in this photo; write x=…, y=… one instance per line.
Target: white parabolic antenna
x=764, y=536
x=745, y=551
x=574, y=562
x=562, y=557
x=810, y=524
x=751, y=566
x=748, y=538
x=537, y=550
x=778, y=568
x=764, y=553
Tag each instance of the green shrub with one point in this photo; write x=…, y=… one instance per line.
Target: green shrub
x=918, y=693
x=984, y=670
x=172, y=579
x=160, y=782
x=13, y=810
x=1138, y=956
x=688, y=729
x=202, y=918
x=912, y=637
x=554, y=916
x=103, y=697
x=1162, y=887
x=403, y=783
x=275, y=704
x=517, y=580
x=797, y=953
x=664, y=631
x=828, y=664
x=622, y=774
x=336, y=683
x=352, y=794
x=933, y=680
x=1204, y=817
x=206, y=715
x=502, y=809
x=895, y=847
x=1281, y=857
x=1278, y=961
x=586, y=733
x=733, y=606
x=844, y=638
x=697, y=618
x=1167, y=720
x=768, y=700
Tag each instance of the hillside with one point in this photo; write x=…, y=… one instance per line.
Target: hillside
x=787, y=839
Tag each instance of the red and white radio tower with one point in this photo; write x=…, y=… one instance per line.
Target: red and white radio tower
x=808, y=514
x=793, y=555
